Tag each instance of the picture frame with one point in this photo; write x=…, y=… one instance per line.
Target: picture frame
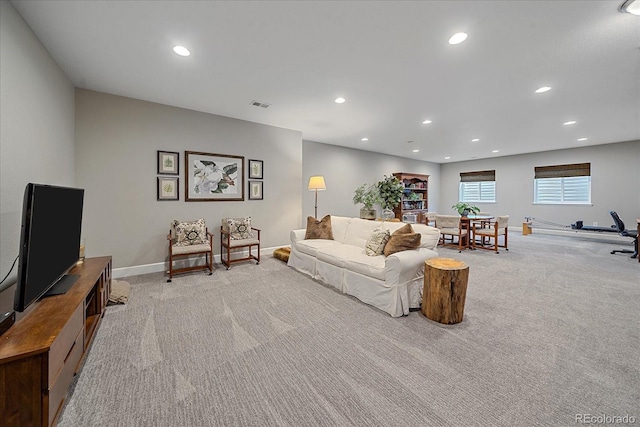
x=168, y=163
x=213, y=177
x=255, y=190
x=168, y=188
x=255, y=169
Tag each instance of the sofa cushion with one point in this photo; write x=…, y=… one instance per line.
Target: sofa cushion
x=359, y=231
x=376, y=242
x=402, y=239
x=339, y=226
x=190, y=232
x=370, y=266
x=339, y=254
x=311, y=246
x=319, y=229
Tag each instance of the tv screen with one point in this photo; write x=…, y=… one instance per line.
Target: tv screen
x=49, y=241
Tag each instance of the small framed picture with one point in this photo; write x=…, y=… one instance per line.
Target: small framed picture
x=255, y=169
x=168, y=163
x=255, y=190
x=168, y=188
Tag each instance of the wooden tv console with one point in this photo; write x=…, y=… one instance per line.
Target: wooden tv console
x=41, y=353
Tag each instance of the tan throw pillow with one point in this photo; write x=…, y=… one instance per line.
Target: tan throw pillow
x=402, y=239
x=190, y=232
x=239, y=228
x=405, y=229
x=376, y=242
x=319, y=229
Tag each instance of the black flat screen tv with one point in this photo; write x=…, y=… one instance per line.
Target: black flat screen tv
x=49, y=242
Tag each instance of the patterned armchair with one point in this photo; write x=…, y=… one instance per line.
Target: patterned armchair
x=188, y=239
x=238, y=234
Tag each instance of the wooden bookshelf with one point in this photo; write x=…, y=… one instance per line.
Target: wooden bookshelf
x=415, y=199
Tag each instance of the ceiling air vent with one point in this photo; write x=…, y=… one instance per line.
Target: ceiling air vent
x=260, y=104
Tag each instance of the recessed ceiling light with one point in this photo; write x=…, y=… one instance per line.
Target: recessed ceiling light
x=181, y=50
x=458, y=38
x=543, y=89
x=410, y=141
x=582, y=139
x=340, y=100
x=364, y=139
x=631, y=6
x=426, y=122
x=416, y=151
x=447, y=158
x=570, y=122
x=475, y=140
x=495, y=151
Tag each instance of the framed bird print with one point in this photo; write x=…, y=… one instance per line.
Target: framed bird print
x=213, y=177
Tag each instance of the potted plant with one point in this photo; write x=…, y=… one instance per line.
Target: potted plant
x=368, y=195
x=464, y=208
x=413, y=197
x=390, y=189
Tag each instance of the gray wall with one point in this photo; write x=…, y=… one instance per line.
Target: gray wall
x=117, y=140
x=36, y=130
x=345, y=169
x=615, y=184
x=113, y=156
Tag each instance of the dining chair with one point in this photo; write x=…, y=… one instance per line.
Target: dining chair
x=489, y=233
x=449, y=225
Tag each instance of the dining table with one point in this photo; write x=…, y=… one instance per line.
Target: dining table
x=466, y=221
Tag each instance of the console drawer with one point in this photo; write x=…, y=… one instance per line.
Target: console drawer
x=60, y=347
x=58, y=391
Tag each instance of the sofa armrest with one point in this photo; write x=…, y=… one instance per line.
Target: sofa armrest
x=405, y=266
x=296, y=235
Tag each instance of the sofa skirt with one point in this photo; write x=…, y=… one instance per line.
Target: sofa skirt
x=302, y=262
x=330, y=275
x=396, y=300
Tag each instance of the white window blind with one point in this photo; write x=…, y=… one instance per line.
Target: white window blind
x=563, y=184
x=569, y=190
x=478, y=186
x=482, y=191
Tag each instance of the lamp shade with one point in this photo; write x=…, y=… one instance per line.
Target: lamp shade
x=317, y=183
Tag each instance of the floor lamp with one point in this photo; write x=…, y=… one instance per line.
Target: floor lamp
x=316, y=183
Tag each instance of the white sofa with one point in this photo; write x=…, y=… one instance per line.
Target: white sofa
x=392, y=284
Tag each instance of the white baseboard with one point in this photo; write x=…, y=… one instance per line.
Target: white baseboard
x=602, y=236
x=163, y=266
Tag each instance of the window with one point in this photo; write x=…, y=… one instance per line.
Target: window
x=563, y=184
x=478, y=187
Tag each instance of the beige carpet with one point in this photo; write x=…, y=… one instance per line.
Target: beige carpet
x=550, y=333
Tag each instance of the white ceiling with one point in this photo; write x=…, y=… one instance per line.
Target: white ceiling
x=390, y=60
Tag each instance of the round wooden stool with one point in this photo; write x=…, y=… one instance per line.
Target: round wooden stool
x=445, y=288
